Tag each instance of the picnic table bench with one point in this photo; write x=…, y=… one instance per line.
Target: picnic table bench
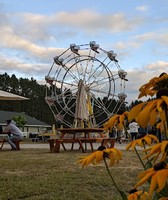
x=56, y=143
x=16, y=142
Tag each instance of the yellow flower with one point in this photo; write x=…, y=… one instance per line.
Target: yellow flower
x=147, y=139
x=137, y=195
x=153, y=85
x=115, y=120
x=111, y=122
x=157, y=149
x=96, y=157
x=135, y=111
x=158, y=176
x=148, y=112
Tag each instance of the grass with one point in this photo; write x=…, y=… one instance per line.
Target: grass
x=36, y=174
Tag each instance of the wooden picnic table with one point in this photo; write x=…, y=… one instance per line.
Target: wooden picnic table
x=75, y=138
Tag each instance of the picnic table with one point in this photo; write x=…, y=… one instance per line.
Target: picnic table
x=76, y=138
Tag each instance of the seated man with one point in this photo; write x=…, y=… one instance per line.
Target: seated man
x=14, y=133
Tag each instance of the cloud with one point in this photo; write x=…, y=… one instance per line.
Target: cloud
x=41, y=26
x=38, y=33
x=142, y=8
x=159, y=66
x=14, y=66
x=139, y=77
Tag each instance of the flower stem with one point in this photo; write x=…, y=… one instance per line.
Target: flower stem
x=124, y=197
x=140, y=158
x=145, y=151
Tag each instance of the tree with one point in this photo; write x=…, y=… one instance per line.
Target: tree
x=20, y=120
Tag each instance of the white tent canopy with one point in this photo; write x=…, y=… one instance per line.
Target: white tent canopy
x=9, y=96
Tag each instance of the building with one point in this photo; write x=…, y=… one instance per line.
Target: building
x=32, y=125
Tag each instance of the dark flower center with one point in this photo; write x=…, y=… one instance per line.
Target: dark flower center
x=161, y=92
x=159, y=166
x=133, y=191
x=101, y=148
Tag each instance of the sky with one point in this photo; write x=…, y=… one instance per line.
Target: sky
x=32, y=32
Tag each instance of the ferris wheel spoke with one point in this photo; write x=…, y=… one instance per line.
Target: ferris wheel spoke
x=100, y=105
x=93, y=73
x=72, y=75
x=79, y=68
x=68, y=84
x=87, y=64
x=91, y=69
x=97, y=81
x=101, y=93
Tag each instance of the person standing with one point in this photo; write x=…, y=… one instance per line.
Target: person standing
x=133, y=129
x=14, y=133
x=120, y=130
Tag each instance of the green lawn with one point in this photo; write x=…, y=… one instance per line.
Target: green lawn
x=36, y=174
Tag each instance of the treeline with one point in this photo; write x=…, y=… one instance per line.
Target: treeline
x=36, y=106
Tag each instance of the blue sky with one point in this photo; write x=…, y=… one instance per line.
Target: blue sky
x=32, y=32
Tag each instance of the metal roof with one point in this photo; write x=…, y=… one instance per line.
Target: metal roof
x=4, y=115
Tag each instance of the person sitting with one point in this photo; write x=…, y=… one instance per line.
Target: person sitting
x=14, y=133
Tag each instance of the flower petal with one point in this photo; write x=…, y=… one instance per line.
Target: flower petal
x=163, y=145
x=159, y=105
x=161, y=179
x=99, y=156
x=155, y=148
x=153, y=137
x=135, y=111
x=153, y=117
x=129, y=145
x=153, y=184
x=90, y=159
x=144, y=179
x=142, y=174
x=148, y=139
x=144, y=115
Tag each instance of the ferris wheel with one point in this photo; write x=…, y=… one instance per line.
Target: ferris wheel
x=85, y=86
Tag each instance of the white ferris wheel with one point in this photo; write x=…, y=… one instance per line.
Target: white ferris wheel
x=85, y=86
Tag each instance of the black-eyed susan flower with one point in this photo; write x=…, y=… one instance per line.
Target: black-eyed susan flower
x=115, y=120
x=148, y=113
x=157, y=149
x=96, y=157
x=154, y=85
x=157, y=175
x=147, y=139
x=134, y=194
x=152, y=111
